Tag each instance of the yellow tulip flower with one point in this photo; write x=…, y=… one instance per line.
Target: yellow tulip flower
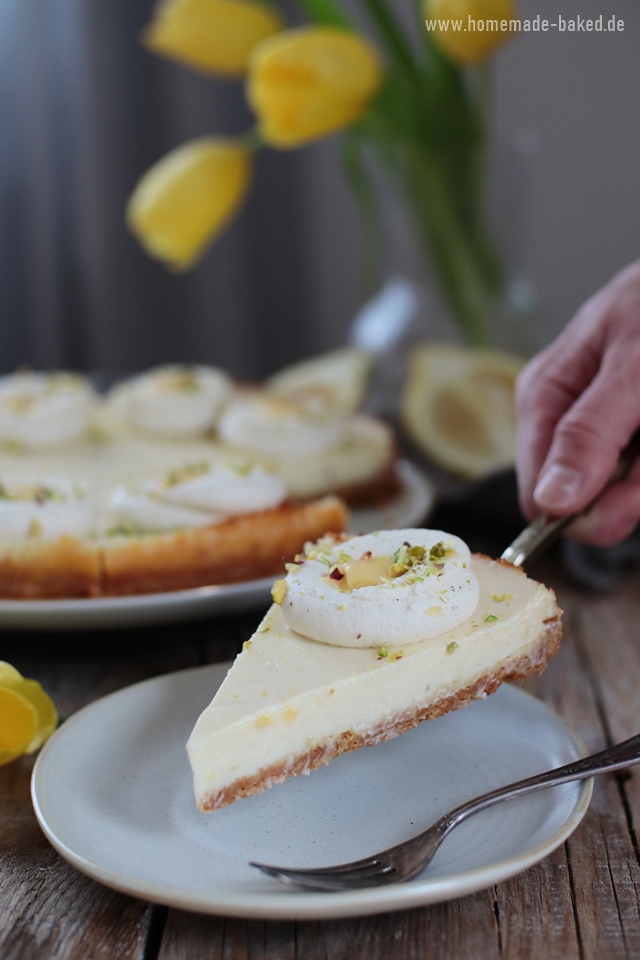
x=306, y=83
x=188, y=197
x=484, y=26
x=216, y=36
x=27, y=715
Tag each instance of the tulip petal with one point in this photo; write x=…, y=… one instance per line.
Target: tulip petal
x=46, y=712
x=31, y=690
x=186, y=199
x=8, y=672
x=216, y=36
x=307, y=83
x=18, y=722
x=469, y=46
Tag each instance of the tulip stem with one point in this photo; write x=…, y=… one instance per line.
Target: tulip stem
x=459, y=257
x=367, y=199
x=327, y=13
x=395, y=40
x=252, y=139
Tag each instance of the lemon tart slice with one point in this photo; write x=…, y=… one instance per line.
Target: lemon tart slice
x=366, y=638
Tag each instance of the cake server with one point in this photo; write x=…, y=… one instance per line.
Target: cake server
x=544, y=530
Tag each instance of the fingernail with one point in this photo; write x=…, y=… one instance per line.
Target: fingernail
x=558, y=488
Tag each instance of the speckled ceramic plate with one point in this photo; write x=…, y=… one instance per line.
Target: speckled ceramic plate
x=112, y=792
x=411, y=506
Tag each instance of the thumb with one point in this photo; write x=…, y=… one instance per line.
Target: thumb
x=585, y=448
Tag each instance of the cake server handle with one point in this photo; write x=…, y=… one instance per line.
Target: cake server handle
x=544, y=530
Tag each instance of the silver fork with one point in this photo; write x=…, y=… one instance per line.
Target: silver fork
x=406, y=860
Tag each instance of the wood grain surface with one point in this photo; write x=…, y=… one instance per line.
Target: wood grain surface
x=580, y=903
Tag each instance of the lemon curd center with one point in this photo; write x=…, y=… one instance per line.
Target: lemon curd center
x=354, y=574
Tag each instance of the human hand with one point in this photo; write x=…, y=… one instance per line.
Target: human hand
x=578, y=405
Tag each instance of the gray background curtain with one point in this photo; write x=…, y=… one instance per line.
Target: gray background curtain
x=84, y=110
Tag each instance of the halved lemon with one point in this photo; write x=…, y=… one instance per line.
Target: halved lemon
x=338, y=378
x=458, y=406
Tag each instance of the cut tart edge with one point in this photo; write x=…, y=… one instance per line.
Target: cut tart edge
x=512, y=670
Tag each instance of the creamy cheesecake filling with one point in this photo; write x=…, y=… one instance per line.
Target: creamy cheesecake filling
x=42, y=411
x=44, y=508
x=288, y=700
x=173, y=401
x=194, y=495
x=383, y=589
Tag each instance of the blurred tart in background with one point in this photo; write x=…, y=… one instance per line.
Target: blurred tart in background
x=305, y=425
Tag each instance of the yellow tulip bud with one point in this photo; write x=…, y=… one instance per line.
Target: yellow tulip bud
x=187, y=198
x=216, y=36
x=27, y=715
x=304, y=84
x=484, y=25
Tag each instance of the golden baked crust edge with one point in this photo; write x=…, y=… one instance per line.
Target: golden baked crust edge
x=242, y=548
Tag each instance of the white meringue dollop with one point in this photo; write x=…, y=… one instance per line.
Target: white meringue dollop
x=194, y=496
x=45, y=508
x=280, y=427
x=384, y=589
x=173, y=401
x=41, y=411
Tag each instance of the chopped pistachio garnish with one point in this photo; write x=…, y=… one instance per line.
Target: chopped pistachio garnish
x=264, y=628
x=437, y=551
x=184, y=380
x=188, y=472
x=19, y=402
x=291, y=567
x=382, y=653
x=490, y=617
x=279, y=591
x=35, y=528
x=33, y=492
x=499, y=597
x=397, y=569
x=452, y=646
x=246, y=644
x=124, y=530
x=401, y=556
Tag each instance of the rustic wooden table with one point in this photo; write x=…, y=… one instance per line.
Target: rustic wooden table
x=581, y=902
